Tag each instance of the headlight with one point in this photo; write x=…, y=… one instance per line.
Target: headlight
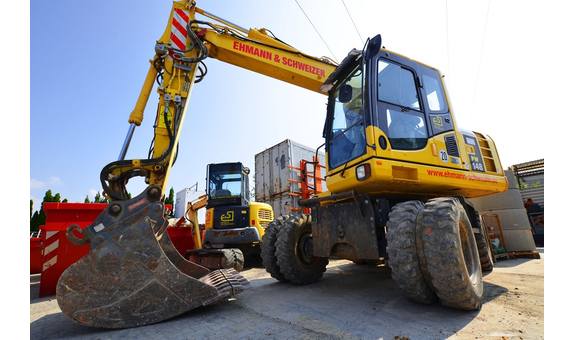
x=362, y=172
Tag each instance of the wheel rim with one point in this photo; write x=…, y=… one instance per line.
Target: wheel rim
x=304, y=248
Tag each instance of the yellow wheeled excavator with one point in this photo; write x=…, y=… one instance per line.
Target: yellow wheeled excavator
x=399, y=172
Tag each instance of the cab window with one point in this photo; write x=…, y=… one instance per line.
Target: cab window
x=434, y=94
x=400, y=103
x=347, y=135
x=396, y=85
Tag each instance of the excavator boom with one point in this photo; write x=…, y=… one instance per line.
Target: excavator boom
x=259, y=52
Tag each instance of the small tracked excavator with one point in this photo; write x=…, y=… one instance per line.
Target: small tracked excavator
x=399, y=172
x=234, y=226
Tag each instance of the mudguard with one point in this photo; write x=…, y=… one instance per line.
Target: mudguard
x=133, y=275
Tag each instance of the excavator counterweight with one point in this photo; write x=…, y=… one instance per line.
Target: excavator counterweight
x=133, y=275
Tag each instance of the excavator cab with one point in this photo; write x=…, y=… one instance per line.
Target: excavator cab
x=389, y=122
x=227, y=184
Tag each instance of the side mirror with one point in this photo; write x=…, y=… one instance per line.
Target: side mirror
x=345, y=93
x=373, y=47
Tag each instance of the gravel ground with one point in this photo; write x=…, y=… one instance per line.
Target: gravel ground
x=350, y=302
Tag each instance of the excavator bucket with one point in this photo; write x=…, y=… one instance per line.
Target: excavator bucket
x=133, y=275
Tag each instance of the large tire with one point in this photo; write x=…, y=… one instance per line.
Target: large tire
x=402, y=252
x=484, y=248
x=268, y=249
x=294, y=252
x=450, y=261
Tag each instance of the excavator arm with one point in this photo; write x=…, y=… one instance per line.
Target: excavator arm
x=178, y=56
x=179, y=65
x=133, y=275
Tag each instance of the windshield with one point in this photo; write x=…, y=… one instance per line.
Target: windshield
x=347, y=134
x=225, y=180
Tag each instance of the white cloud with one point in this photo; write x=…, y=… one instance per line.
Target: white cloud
x=36, y=184
x=55, y=181
x=92, y=193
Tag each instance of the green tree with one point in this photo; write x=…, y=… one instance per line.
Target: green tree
x=100, y=199
x=87, y=200
x=170, y=200
x=37, y=220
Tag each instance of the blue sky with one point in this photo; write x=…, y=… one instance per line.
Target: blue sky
x=88, y=61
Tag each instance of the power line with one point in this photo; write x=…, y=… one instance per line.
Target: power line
x=317, y=32
x=480, y=58
x=360, y=38
x=447, y=37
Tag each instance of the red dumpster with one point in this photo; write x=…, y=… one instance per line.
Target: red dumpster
x=58, y=253
x=35, y=255
x=182, y=238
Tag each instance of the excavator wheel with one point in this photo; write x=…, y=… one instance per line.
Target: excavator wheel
x=402, y=251
x=133, y=275
x=448, y=254
x=268, y=248
x=484, y=248
x=294, y=252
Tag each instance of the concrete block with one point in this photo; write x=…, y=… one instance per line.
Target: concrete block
x=511, y=219
x=511, y=199
x=519, y=240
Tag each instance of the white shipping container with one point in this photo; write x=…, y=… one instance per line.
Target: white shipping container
x=182, y=199
x=275, y=176
x=185, y=196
